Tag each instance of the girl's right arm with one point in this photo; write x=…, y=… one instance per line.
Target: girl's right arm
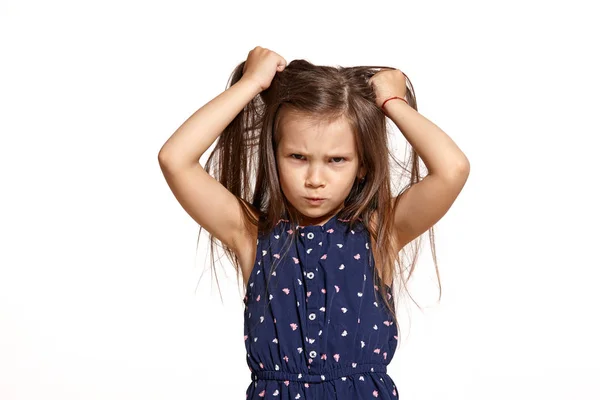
x=208, y=202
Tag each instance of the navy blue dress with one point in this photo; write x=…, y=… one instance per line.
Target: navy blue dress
x=316, y=327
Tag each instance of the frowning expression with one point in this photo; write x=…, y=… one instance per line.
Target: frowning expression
x=316, y=159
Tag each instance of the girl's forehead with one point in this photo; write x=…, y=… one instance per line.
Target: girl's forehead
x=301, y=131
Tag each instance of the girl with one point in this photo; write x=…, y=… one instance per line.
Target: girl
x=317, y=236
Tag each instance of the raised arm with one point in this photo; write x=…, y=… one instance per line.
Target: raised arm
x=208, y=202
x=201, y=129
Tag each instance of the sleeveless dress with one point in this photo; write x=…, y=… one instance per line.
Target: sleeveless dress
x=316, y=326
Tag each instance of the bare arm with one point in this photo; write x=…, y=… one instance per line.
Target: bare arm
x=201, y=129
x=208, y=202
x=426, y=202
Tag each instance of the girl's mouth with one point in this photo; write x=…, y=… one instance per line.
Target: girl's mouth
x=314, y=200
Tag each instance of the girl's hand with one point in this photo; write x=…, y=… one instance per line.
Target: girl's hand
x=388, y=83
x=261, y=66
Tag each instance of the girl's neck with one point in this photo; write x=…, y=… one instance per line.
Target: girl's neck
x=322, y=220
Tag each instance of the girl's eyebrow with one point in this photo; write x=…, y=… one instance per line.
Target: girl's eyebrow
x=289, y=149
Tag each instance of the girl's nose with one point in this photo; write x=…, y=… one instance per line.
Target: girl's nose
x=315, y=177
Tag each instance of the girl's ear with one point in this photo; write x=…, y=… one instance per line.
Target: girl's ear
x=362, y=172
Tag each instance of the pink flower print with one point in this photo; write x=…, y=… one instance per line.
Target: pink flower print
x=375, y=393
x=330, y=230
x=359, y=320
x=276, y=392
x=277, y=256
x=376, y=287
x=258, y=298
x=286, y=360
x=387, y=323
x=337, y=357
x=308, y=294
x=302, y=234
x=306, y=384
x=294, y=326
x=376, y=351
x=274, y=320
x=296, y=261
x=323, y=356
x=385, y=355
x=357, y=256
x=394, y=392
x=261, y=365
x=286, y=290
x=262, y=394
x=310, y=360
x=287, y=383
x=290, y=231
x=396, y=337
x=337, y=288
x=324, y=257
x=245, y=337
x=389, y=296
x=323, y=290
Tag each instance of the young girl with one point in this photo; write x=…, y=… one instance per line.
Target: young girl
x=317, y=236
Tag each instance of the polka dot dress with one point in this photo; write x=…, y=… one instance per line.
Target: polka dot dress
x=316, y=327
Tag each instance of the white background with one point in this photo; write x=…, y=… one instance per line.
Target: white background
x=98, y=262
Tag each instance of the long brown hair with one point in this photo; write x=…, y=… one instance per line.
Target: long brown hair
x=246, y=165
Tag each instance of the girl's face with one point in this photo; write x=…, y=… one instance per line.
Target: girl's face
x=316, y=160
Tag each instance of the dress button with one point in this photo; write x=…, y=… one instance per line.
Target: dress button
x=310, y=235
x=312, y=354
x=312, y=316
x=310, y=275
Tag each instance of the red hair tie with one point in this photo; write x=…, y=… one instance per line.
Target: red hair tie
x=395, y=97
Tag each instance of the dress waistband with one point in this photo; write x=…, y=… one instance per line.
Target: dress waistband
x=325, y=376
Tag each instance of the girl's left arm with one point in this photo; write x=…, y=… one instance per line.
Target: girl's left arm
x=423, y=204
